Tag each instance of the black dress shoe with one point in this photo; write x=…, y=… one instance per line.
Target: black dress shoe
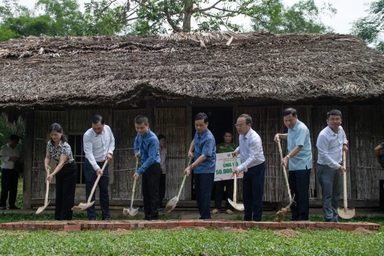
x=14, y=207
x=3, y=208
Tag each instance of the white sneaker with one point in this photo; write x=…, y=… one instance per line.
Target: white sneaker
x=215, y=211
x=229, y=211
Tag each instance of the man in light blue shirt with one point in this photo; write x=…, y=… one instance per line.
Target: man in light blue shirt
x=299, y=162
x=330, y=144
x=99, y=144
x=253, y=165
x=203, y=150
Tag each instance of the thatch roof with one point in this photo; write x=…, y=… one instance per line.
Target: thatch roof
x=79, y=71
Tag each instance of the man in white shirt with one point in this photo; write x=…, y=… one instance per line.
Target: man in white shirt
x=99, y=144
x=330, y=144
x=9, y=175
x=253, y=165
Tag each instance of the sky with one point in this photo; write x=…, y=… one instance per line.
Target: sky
x=348, y=11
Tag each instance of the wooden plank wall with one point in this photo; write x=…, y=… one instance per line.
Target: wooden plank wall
x=123, y=159
x=367, y=125
x=173, y=122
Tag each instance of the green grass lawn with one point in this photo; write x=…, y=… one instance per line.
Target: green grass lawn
x=199, y=241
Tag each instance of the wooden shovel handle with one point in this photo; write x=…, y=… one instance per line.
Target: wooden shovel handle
x=345, y=194
x=185, y=176
x=284, y=171
x=46, y=189
x=134, y=183
x=97, y=181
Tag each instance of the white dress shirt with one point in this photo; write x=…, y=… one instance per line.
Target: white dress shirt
x=97, y=146
x=329, y=147
x=6, y=153
x=250, y=149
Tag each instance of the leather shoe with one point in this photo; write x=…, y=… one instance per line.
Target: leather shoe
x=14, y=207
x=3, y=208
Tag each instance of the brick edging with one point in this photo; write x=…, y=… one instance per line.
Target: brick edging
x=77, y=225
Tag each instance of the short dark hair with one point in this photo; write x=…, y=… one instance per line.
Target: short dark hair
x=334, y=112
x=288, y=111
x=203, y=116
x=14, y=137
x=97, y=118
x=160, y=136
x=248, y=118
x=57, y=128
x=141, y=120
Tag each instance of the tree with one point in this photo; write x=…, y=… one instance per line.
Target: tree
x=302, y=17
x=161, y=16
x=371, y=27
x=57, y=18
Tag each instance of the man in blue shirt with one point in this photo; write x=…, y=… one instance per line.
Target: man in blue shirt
x=203, y=150
x=147, y=147
x=330, y=144
x=299, y=162
x=253, y=165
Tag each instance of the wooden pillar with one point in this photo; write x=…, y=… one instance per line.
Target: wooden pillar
x=28, y=159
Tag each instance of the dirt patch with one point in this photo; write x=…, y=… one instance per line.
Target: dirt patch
x=15, y=233
x=182, y=228
x=362, y=231
x=234, y=230
x=60, y=233
x=120, y=231
x=288, y=233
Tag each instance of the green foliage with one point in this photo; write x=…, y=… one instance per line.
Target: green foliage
x=371, y=27
x=141, y=17
x=302, y=17
x=190, y=242
x=56, y=18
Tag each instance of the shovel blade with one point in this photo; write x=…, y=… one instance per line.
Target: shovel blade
x=346, y=213
x=171, y=204
x=237, y=206
x=130, y=211
x=82, y=206
x=42, y=208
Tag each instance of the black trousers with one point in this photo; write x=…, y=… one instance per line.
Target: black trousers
x=65, y=191
x=220, y=194
x=9, y=179
x=203, y=191
x=150, y=187
x=162, y=190
x=299, y=185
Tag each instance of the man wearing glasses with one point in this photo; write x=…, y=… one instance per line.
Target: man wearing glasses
x=253, y=165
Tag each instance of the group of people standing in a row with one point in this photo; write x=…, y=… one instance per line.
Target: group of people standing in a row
x=99, y=144
x=330, y=144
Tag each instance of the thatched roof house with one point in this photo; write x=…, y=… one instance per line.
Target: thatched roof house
x=253, y=67
x=169, y=78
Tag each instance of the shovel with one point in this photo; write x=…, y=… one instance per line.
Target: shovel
x=46, y=202
x=83, y=206
x=132, y=211
x=173, y=201
x=345, y=213
x=280, y=214
x=235, y=205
